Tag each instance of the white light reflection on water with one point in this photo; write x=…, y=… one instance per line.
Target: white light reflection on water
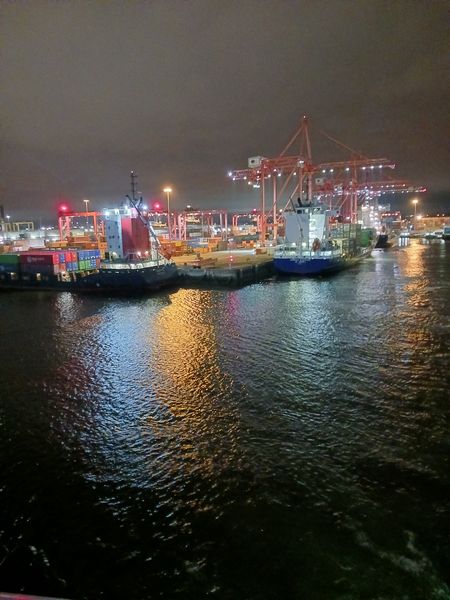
x=303, y=419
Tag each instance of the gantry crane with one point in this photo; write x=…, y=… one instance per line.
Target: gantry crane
x=340, y=185
x=65, y=217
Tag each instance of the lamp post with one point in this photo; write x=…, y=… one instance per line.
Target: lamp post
x=415, y=202
x=168, y=191
x=86, y=202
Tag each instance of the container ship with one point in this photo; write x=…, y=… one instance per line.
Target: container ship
x=83, y=270
x=317, y=243
x=132, y=262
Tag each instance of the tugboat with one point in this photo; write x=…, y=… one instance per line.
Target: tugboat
x=385, y=240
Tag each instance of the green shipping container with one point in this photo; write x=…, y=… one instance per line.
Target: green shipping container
x=366, y=237
x=9, y=259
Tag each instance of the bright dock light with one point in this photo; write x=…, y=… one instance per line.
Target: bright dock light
x=168, y=190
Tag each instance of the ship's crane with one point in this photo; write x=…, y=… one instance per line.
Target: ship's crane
x=340, y=184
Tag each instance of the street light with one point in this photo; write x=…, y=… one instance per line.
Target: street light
x=415, y=202
x=86, y=210
x=168, y=191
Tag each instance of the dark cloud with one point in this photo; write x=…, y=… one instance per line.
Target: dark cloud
x=181, y=91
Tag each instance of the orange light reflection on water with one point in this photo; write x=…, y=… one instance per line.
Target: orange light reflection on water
x=414, y=268
x=415, y=324
x=186, y=339
x=195, y=387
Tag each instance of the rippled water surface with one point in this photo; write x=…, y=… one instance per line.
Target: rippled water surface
x=290, y=439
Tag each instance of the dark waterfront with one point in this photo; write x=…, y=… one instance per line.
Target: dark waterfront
x=290, y=439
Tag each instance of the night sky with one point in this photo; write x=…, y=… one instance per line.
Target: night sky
x=182, y=91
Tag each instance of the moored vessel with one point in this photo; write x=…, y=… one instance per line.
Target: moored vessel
x=128, y=276
x=317, y=242
x=134, y=261
x=446, y=233
x=386, y=239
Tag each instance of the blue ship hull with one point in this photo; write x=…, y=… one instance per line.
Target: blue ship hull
x=314, y=266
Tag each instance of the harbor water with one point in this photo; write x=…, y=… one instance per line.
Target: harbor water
x=286, y=440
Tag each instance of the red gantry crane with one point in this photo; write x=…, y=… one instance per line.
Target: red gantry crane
x=65, y=217
x=341, y=185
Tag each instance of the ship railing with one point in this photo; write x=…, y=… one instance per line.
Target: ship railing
x=127, y=266
x=321, y=253
x=289, y=251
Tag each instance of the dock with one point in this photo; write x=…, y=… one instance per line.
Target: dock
x=226, y=268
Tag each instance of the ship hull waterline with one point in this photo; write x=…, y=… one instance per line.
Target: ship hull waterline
x=104, y=281
x=315, y=266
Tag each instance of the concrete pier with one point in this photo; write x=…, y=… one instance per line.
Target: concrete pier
x=229, y=269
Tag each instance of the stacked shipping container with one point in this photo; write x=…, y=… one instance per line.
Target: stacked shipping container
x=41, y=261
x=88, y=260
x=9, y=263
x=50, y=262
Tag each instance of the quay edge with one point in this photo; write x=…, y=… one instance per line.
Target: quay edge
x=234, y=276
